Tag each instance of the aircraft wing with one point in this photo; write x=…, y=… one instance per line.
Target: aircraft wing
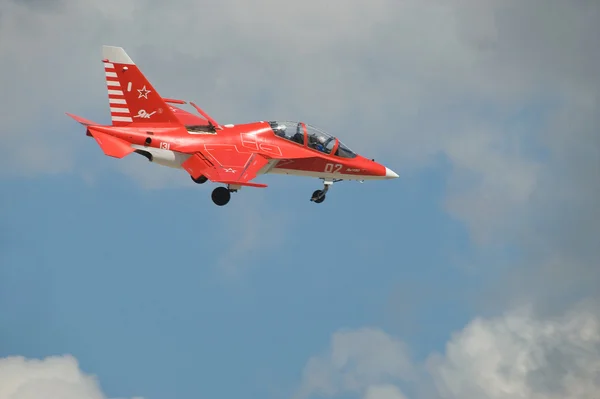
x=224, y=164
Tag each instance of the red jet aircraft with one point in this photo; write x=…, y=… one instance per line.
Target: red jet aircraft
x=232, y=155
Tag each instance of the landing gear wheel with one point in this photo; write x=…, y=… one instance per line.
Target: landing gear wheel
x=200, y=180
x=221, y=196
x=318, y=196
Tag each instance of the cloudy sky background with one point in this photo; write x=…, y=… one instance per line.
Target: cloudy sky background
x=475, y=275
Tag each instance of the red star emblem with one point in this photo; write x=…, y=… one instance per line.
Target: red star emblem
x=144, y=92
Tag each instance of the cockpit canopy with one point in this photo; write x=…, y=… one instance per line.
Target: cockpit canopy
x=311, y=136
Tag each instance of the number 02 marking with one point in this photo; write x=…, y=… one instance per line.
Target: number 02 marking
x=333, y=168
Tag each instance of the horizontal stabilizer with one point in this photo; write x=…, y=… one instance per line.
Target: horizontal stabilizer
x=81, y=120
x=112, y=146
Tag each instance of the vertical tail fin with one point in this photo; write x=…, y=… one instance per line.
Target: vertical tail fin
x=131, y=97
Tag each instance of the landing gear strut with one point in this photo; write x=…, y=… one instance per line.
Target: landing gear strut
x=319, y=195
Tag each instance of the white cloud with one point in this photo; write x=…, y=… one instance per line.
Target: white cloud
x=385, y=391
x=514, y=356
x=357, y=361
x=491, y=184
x=520, y=356
x=52, y=377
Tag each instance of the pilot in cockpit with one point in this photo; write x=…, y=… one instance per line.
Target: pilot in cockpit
x=299, y=136
x=320, y=144
x=280, y=130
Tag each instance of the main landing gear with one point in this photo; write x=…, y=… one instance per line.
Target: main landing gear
x=220, y=195
x=319, y=195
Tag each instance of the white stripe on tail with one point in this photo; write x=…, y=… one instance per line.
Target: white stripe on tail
x=119, y=115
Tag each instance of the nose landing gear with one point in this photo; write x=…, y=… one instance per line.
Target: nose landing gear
x=319, y=195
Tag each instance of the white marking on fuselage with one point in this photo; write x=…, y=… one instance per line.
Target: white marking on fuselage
x=111, y=74
x=116, y=92
x=129, y=86
x=113, y=83
x=117, y=101
x=109, y=65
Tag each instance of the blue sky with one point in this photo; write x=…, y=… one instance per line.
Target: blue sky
x=127, y=279
x=480, y=258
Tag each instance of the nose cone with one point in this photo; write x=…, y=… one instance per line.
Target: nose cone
x=390, y=174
